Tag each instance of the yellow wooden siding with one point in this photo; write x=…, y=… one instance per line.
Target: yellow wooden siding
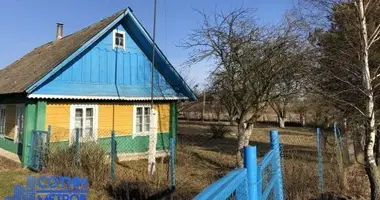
x=10, y=121
x=58, y=116
x=163, y=117
x=122, y=121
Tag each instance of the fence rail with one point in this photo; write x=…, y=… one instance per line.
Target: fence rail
x=248, y=182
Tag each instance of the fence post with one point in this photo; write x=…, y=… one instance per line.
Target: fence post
x=76, y=152
x=277, y=171
x=320, y=160
x=171, y=163
x=339, y=149
x=113, y=154
x=250, y=162
x=47, y=146
x=48, y=135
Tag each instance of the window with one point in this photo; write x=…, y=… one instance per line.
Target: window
x=2, y=120
x=20, y=110
x=84, y=118
x=141, y=120
x=119, y=39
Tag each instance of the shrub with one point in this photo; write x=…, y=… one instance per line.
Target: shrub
x=219, y=131
x=133, y=190
x=92, y=163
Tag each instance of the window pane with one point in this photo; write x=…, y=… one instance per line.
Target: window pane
x=146, y=123
x=139, y=123
x=119, y=39
x=89, y=122
x=139, y=111
x=147, y=111
x=79, y=112
x=79, y=120
x=20, y=123
x=89, y=112
x=89, y=132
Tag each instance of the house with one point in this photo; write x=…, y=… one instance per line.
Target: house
x=95, y=80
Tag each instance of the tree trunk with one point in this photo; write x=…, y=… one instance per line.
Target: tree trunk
x=371, y=167
x=281, y=121
x=302, y=119
x=231, y=119
x=358, y=148
x=244, y=133
x=370, y=131
x=369, y=157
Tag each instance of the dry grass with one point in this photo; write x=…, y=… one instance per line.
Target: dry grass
x=8, y=165
x=91, y=164
x=201, y=160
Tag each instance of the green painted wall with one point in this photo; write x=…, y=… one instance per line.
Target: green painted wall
x=11, y=146
x=41, y=115
x=127, y=144
x=173, y=120
x=30, y=124
x=35, y=114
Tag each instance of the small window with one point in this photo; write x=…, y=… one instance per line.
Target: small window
x=2, y=121
x=142, y=120
x=118, y=39
x=84, y=119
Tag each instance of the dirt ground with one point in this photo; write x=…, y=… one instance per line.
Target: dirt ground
x=201, y=160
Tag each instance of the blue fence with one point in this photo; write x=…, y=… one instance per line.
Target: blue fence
x=256, y=181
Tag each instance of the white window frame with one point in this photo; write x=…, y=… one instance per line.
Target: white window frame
x=72, y=120
x=144, y=133
x=16, y=137
x=114, y=46
x=5, y=120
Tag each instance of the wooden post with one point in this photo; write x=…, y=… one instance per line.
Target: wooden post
x=113, y=155
x=171, y=163
x=76, y=153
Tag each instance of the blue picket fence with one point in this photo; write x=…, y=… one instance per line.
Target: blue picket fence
x=256, y=181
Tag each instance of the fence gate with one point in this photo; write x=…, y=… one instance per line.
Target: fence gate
x=256, y=181
x=39, y=146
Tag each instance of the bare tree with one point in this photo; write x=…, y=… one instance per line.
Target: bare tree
x=248, y=62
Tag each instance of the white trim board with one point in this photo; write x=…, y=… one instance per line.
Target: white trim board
x=48, y=96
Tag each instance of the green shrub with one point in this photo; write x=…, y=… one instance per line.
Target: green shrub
x=219, y=131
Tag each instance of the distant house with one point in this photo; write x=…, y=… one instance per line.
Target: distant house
x=95, y=80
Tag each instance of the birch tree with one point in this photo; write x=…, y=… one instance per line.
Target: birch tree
x=352, y=69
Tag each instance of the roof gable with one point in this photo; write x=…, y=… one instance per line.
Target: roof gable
x=17, y=77
x=105, y=72
x=42, y=63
